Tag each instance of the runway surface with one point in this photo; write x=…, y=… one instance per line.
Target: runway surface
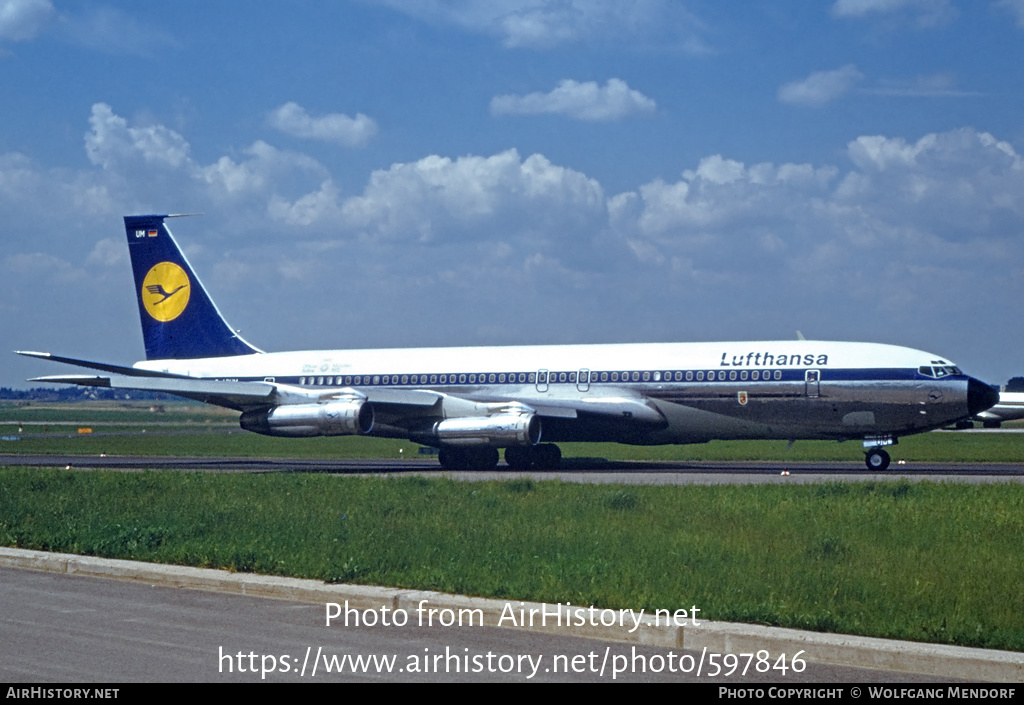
x=593, y=470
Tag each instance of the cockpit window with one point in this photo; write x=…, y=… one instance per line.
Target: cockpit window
x=939, y=371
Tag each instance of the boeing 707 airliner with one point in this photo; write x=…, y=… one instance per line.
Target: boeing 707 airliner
x=470, y=402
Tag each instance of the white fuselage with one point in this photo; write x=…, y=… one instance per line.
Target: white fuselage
x=641, y=393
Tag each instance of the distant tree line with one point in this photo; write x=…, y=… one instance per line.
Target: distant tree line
x=1016, y=384
x=67, y=394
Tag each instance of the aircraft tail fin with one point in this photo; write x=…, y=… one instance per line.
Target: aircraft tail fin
x=179, y=319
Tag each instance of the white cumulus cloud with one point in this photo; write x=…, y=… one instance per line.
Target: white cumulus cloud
x=821, y=87
x=579, y=101
x=442, y=198
x=292, y=119
x=110, y=140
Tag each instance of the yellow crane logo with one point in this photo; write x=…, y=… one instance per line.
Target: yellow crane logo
x=165, y=291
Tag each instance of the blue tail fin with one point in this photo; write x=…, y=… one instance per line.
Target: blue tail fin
x=179, y=320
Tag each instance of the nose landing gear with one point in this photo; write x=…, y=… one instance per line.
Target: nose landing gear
x=877, y=459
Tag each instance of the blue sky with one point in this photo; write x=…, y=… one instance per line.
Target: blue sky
x=391, y=173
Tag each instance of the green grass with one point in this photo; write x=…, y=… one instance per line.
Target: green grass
x=198, y=430
x=220, y=441
x=924, y=561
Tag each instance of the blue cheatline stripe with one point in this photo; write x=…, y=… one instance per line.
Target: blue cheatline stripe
x=621, y=377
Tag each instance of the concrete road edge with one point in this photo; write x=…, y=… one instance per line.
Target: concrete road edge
x=716, y=637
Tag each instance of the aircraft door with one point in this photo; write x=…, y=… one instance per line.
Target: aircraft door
x=542, y=380
x=812, y=383
x=583, y=380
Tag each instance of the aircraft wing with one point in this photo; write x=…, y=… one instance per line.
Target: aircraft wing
x=246, y=395
x=398, y=409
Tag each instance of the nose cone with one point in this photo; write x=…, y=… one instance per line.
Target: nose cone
x=980, y=396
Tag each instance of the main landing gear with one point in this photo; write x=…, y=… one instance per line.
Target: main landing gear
x=546, y=456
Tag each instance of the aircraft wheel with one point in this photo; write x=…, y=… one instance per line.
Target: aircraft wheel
x=877, y=460
x=457, y=459
x=453, y=459
x=483, y=459
x=547, y=456
x=519, y=457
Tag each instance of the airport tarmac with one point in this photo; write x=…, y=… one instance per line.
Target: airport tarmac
x=592, y=470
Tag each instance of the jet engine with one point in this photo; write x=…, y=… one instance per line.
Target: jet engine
x=345, y=417
x=497, y=431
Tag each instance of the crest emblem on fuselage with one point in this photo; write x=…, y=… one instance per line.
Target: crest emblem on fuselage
x=165, y=291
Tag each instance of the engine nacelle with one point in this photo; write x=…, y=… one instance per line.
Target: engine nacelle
x=349, y=417
x=498, y=431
